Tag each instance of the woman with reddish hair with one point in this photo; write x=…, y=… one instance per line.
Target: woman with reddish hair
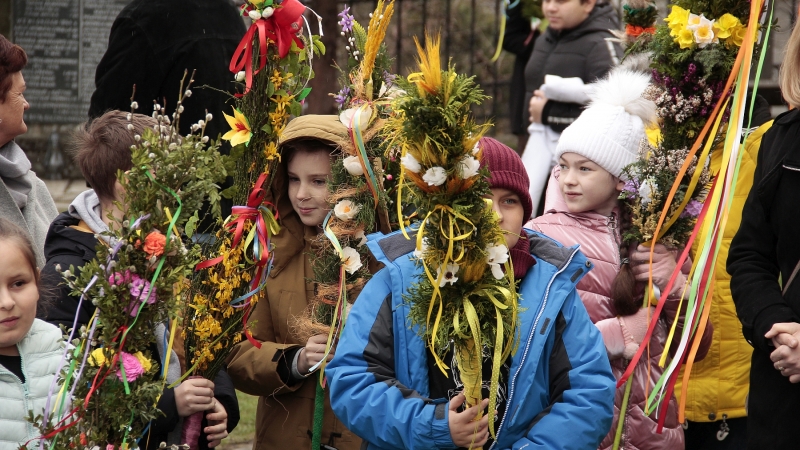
x=24, y=198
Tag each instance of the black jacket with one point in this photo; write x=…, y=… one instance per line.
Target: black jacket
x=581, y=52
x=765, y=250
x=66, y=246
x=152, y=42
x=518, y=39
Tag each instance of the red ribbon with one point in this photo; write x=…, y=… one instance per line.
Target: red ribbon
x=281, y=28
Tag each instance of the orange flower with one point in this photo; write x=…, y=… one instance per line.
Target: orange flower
x=154, y=243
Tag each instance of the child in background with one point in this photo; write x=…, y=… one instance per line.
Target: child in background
x=556, y=390
x=583, y=208
x=30, y=349
x=278, y=372
x=102, y=148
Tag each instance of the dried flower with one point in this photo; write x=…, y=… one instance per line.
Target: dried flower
x=469, y=167
x=410, y=163
x=353, y=166
x=351, y=260
x=435, y=176
x=346, y=209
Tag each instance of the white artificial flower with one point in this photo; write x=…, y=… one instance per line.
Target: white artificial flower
x=268, y=11
x=348, y=117
x=351, y=260
x=240, y=76
x=449, y=274
x=468, y=166
x=420, y=252
x=497, y=254
x=390, y=93
x=346, y=209
x=704, y=33
x=410, y=163
x=435, y=176
x=646, y=191
x=362, y=238
x=353, y=166
x=696, y=21
x=254, y=15
x=497, y=271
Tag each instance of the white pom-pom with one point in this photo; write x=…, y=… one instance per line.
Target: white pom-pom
x=624, y=87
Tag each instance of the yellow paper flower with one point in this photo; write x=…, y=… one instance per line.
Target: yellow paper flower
x=97, y=358
x=726, y=25
x=144, y=361
x=240, y=129
x=737, y=36
x=677, y=19
x=685, y=38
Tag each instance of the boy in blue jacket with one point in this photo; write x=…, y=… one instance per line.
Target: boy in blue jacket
x=556, y=390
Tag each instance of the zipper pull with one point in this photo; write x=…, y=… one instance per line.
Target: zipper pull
x=612, y=221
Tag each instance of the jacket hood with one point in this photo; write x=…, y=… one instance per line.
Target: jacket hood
x=602, y=18
x=63, y=239
x=86, y=207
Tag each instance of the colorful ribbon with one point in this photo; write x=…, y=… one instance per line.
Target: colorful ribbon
x=281, y=28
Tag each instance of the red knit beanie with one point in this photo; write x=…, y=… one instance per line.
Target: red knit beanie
x=506, y=171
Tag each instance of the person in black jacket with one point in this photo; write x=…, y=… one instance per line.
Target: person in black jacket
x=152, y=43
x=573, y=51
x=763, y=262
x=518, y=39
x=102, y=148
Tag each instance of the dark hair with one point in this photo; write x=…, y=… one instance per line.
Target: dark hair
x=12, y=60
x=9, y=231
x=103, y=146
x=623, y=288
x=292, y=148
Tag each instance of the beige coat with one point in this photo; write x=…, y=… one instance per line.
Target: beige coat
x=285, y=413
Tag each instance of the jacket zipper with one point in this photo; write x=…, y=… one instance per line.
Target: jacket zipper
x=794, y=169
x=527, y=347
x=613, y=227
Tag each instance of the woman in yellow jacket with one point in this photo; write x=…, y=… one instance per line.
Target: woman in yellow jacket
x=278, y=372
x=717, y=390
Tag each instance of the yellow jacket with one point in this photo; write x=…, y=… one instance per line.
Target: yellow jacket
x=719, y=384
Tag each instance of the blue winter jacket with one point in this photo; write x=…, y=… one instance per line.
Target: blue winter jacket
x=560, y=387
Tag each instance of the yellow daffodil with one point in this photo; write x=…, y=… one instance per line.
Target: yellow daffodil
x=726, y=25
x=738, y=35
x=685, y=38
x=677, y=19
x=240, y=129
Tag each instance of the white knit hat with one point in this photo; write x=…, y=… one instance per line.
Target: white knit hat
x=610, y=129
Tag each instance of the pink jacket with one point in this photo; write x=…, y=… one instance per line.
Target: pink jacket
x=598, y=237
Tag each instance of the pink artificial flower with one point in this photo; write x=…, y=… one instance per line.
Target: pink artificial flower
x=133, y=368
x=141, y=292
x=118, y=279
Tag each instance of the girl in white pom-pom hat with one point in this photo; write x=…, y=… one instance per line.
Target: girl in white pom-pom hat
x=582, y=207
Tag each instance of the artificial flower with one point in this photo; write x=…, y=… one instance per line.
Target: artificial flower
x=240, y=129
x=410, y=163
x=356, y=115
x=154, y=244
x=97, y=358
x=133, y=368
x=435, y=176
x=449, y=274
x=117, y=278
x=351, y=260
x=677, y=19
x=362, y=238
x=469, y=167
x=495, y=256
x=420, y=252
x=144, y=361
x=254, y=15
x=726, y=25
x=341, y=97
x=692, y=209
x=685, y=38
x=738, y=36
x=646, y=191
x=695, y=21
x=346, y=21
x=346, y=209
x=353, y=166
x=267, y=12
x=704, y=33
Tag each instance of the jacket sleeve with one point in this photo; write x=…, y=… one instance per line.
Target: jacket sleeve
x=582, y=386
x=603, y=56
x=164, y=425
x=258, y=371
x=559, y=115
x=56, y=304
x=365, y=392
x=129, y=61
x=753, y=266
x=225, y=393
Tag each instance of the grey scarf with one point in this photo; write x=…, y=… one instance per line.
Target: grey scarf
x=14, y=167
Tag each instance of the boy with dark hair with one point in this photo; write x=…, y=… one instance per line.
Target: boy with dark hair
x=101, y=149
